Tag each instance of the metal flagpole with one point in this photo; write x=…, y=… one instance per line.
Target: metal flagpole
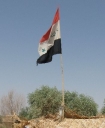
x=62, y=105
x=61, y=111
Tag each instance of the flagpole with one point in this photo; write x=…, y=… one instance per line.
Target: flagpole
x=62, y=72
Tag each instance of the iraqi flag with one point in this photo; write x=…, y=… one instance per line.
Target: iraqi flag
x=50, y=43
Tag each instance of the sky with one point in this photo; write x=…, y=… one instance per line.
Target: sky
x=24, y=22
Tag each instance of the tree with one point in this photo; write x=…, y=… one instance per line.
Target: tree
x=47, y=100
x=43, y=101
x=12, y=102
x=24, y=113
x=103, y=108
x=0, y=119
x=83, y=105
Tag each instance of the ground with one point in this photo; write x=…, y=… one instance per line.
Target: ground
x=69, y=123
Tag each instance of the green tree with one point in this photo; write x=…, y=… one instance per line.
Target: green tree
x=47, y=100
x=0, y=119
x=43, y=101
x=88, y=107
x=24, y=113
x=81, y=104
x=103, y=108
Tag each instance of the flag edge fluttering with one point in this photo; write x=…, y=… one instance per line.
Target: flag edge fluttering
x=50, y=43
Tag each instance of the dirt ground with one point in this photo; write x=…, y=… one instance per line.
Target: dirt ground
x=51, y=121
x=68, y=123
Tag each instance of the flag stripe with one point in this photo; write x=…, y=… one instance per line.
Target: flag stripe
x=55, y=20
x=55, y=49
x=56, y=17
x=45, y=36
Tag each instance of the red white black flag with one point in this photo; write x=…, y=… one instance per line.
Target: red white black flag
x=50, y=43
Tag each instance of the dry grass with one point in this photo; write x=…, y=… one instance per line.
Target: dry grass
x=66, y=123
x=73, y=121
x=6, y=125
x=69, y=123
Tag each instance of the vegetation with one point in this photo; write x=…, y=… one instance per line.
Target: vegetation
x=12, y=102
x=43, y=101
x=25, y=113
x=83, y=105
x=103, y=108
x=0, y=119
x=48, y=100
x=4, y=124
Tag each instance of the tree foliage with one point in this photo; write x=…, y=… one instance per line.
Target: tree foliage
x=47, y=100
x=103, y=108
x=24, y=113
x=43, y=101
x=0, y=119
x=83, y=105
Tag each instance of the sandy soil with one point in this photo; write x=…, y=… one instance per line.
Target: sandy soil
x=69, y=123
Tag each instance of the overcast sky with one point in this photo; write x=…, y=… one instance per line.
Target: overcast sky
x=22, y=24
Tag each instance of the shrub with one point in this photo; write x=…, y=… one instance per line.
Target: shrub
x=0, y=119
x=48, y=100
x=24, y=113
x=43, y=101
x=103, y=108
x=83, y=105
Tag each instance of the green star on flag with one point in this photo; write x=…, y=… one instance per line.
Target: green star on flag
x=43, y=50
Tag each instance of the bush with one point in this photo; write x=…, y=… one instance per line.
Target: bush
x=0, y=119
x=24, y=113
x=48, y=100
x=103, y=108
x=44, y=101
x=83, y=105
